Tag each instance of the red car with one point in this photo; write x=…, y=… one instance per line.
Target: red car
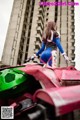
x=49, y=94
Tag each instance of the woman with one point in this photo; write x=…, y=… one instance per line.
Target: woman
x=50, y=42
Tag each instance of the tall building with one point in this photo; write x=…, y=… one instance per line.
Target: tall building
x=27, y=22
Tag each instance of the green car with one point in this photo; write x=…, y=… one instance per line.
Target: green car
x=14, y=82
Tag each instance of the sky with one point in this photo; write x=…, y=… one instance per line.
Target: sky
x=77, y=35
x=5, y=12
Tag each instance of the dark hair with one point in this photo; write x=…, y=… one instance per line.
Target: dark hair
x=47, y=33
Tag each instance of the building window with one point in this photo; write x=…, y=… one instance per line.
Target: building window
x=47, y=14
x=72, y=58
x=47, y=8
x=72, y=36
x=46, y=19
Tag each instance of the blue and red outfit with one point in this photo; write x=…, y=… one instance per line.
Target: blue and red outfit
x=47, y=48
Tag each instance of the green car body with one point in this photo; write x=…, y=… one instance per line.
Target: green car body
x=10, y=78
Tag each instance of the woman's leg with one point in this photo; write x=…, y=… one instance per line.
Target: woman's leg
x=52, y=61
x=45, y=56
x=49, y=57
x=54, y=58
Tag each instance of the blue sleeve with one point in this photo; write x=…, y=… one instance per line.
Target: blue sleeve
x=58, y=43
x=41, y=49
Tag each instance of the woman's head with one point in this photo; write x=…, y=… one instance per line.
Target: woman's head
x=47, y=33
x=51, y=26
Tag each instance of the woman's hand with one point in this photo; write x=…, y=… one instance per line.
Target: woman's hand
x=35, y=56
x=65, y=57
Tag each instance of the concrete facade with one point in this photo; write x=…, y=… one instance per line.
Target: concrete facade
x=26, y=25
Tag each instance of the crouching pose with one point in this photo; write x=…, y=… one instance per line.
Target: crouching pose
x=50, y=42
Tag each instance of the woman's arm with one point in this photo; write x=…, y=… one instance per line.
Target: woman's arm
x=58, y=43
x=41, y=49
x=55, y=37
